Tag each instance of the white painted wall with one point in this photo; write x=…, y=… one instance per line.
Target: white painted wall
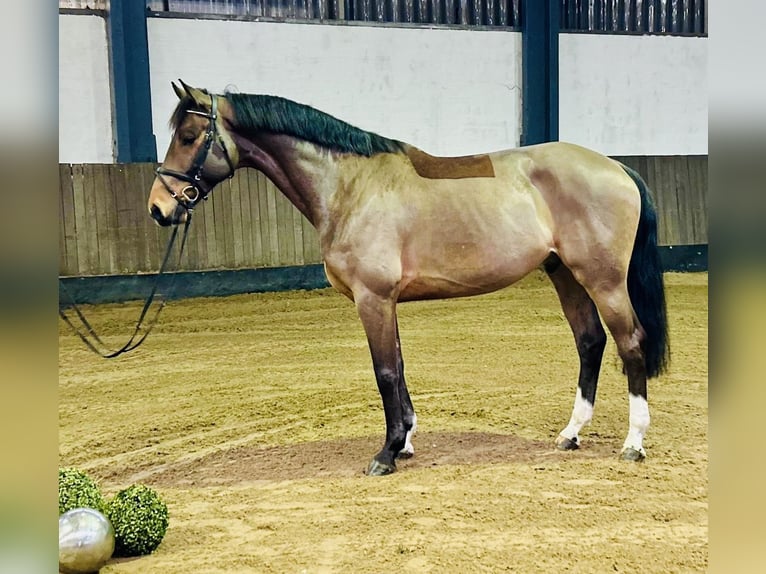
x=85, y=110
x=449, y=92
x=634, y=95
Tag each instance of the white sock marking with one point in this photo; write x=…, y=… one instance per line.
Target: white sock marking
x=582, y=413
x=639, y=423
x=408, y=448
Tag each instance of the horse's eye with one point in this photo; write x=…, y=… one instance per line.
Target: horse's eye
x=187, y=139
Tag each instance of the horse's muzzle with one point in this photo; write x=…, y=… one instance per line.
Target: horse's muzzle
x=177, y=216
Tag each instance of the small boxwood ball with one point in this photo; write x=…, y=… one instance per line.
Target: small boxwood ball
x=140, y=519
x=78, y=490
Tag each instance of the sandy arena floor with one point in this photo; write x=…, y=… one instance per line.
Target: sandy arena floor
x=255, y=415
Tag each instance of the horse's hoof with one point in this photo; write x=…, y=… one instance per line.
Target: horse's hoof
x=632, y=454
x=564, y=443
x=406, y=452
x=380, y=469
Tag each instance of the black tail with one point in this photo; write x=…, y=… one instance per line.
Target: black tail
x=646, y=286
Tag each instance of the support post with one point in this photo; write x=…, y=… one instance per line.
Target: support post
x=540, y=75
x=131, y=95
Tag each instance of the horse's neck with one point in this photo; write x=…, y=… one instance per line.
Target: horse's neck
x=304, y=173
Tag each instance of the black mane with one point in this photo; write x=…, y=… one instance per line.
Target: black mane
x=279, y=115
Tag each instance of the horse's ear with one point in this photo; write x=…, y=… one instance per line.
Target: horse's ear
x=180, y=92
x=200, y=97
x=185, y=86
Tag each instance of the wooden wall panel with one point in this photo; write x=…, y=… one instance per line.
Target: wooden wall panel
x=679, y=185
x=247, y=223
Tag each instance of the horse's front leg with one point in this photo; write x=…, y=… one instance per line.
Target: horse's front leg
x=378, y=315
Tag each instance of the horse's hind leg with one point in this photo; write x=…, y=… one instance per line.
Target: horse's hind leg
x=590, y=340
x=408, y=411
x=620, y=318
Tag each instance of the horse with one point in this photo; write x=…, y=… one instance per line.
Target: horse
x=396, y=224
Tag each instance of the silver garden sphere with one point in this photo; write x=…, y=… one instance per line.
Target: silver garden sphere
x=86, y=541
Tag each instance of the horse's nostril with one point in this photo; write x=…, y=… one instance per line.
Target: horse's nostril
x=158, y=217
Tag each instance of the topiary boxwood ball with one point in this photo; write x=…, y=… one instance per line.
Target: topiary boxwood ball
x=140, y=519
x=78, y=490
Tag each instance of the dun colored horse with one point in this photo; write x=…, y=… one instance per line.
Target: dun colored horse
x=396, y=224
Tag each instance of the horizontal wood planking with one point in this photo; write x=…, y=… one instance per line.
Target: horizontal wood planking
x=247, y=223
x=105, y=228
x=679, y=185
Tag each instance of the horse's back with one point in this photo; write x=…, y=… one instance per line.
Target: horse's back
x=568, y=162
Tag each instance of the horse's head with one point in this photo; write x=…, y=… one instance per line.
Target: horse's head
x=200, y=155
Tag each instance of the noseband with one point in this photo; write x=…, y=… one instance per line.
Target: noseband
x=193, y=193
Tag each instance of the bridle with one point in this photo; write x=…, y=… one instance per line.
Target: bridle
x=186, y=199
